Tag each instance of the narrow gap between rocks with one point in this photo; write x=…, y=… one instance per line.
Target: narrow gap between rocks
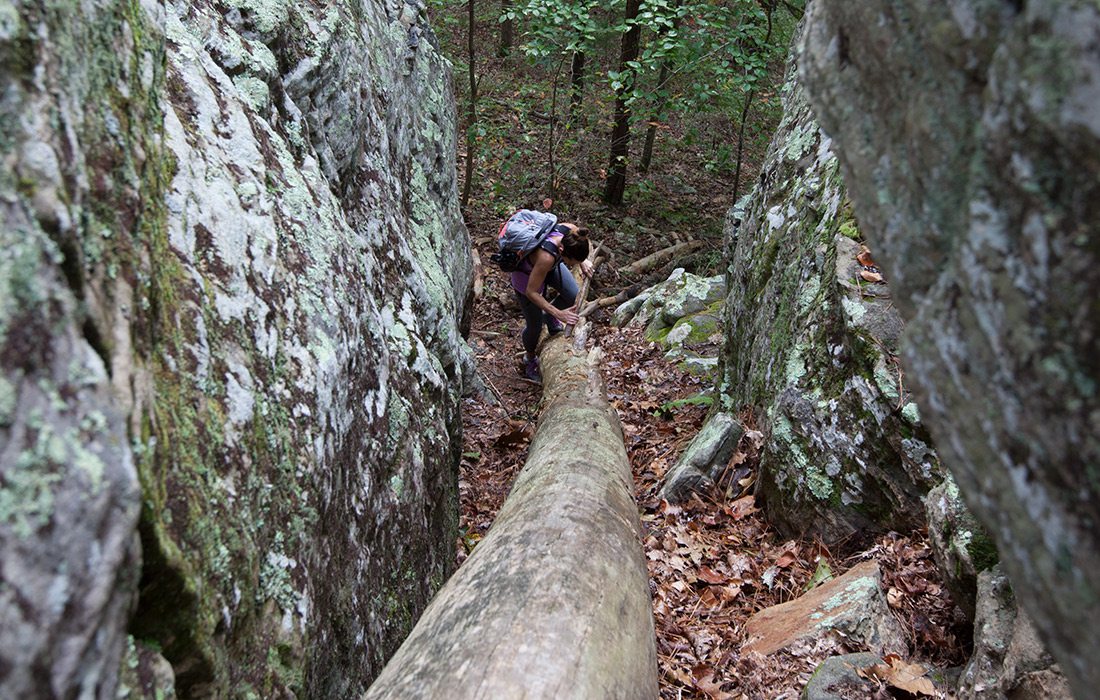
x=714, y=561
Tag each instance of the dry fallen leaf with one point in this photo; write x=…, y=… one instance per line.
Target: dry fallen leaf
x=704, y=681
x=902, y=675
x=893, y=597
x=870, y=276
x=512, y=437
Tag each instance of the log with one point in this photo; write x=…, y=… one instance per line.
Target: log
x=554, y=602
x=479, y=275
x=660, y=257
x=614, y=300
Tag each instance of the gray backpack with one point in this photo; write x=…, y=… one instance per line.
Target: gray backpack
x=520, y=234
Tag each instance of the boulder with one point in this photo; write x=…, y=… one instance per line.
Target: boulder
x=811, y=347
x=850, y=609
x=837, y=677
x=704, y=459
x=1009, y=660
x=970, y=140
x=960, y=545
x=683, y=314
x=232, y=282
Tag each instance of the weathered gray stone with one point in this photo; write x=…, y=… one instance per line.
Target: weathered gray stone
x=811, y=348
x=704, y=459
x=838, y=674
x=231, y=282
x=970, y=137
x=1009, y=660
x=851, y=610
x=683, y=314
x=959, y=543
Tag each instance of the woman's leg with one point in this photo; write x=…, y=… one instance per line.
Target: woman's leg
x=563, y=281
x=532, y=315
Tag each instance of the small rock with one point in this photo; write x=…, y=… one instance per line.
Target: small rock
x=1009, y=659
x=704, y=458
x=836, y=676
x=852, y=607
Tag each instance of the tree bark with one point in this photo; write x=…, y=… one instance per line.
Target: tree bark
x=576, y=81
x=471, y=144
x=620, y=133
x=554, y=602
x=507, y=30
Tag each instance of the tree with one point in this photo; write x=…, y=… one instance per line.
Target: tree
x=622, y=81
x=471, y=143
x=507, y=28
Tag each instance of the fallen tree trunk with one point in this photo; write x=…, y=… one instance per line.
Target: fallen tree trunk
x=554, y=602
x=660, y=257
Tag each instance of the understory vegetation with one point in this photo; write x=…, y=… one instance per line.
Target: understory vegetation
x=644, y=120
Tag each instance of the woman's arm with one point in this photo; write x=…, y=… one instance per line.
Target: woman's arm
x=543, y=263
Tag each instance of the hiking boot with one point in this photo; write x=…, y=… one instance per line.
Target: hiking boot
x=554, y=326
x=532, y=371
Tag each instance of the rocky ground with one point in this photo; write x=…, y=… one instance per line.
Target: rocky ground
x=714, y=562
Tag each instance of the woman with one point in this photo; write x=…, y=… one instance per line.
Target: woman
x=548, y=264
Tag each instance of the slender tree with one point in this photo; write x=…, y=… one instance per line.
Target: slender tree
x=620, y=132
x=507, y=29
x=576, y=81
x=662, y=85
x=471, y=144
x=769, y=8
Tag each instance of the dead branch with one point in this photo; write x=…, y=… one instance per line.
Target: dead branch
x=660, y=257
x=614, y=300
x=479, y=275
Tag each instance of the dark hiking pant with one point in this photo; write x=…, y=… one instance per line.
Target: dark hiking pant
x=560, y=279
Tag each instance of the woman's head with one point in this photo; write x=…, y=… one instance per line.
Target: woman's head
x=574, y=242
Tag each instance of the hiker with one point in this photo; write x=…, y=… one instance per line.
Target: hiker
x=548, y=265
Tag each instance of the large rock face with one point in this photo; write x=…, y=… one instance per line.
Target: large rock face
x=232, y=277
x=970, y=135
x=810, y=346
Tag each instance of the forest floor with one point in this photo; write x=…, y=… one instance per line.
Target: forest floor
x=714, y=561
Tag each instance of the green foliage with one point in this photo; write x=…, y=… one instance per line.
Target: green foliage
x=669, y=408
x=555, y=28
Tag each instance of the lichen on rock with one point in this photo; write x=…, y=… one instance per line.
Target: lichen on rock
x=811, y=349
x=232, y=260
x=969, y=136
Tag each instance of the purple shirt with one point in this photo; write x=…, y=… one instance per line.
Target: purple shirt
x=522, y=276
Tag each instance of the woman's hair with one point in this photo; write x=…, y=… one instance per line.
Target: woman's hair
x=574, y=244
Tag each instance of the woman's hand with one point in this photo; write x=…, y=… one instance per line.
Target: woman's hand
x=586, y=268
x=567, y=316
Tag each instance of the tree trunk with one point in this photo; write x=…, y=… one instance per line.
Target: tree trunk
x=620, y=133
x=554, y=602
x=471, y=144
x=659, y=113
x=576, y=80
x=651, y=132
x=745, y=116
x=507, y=30
x=660, y=257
